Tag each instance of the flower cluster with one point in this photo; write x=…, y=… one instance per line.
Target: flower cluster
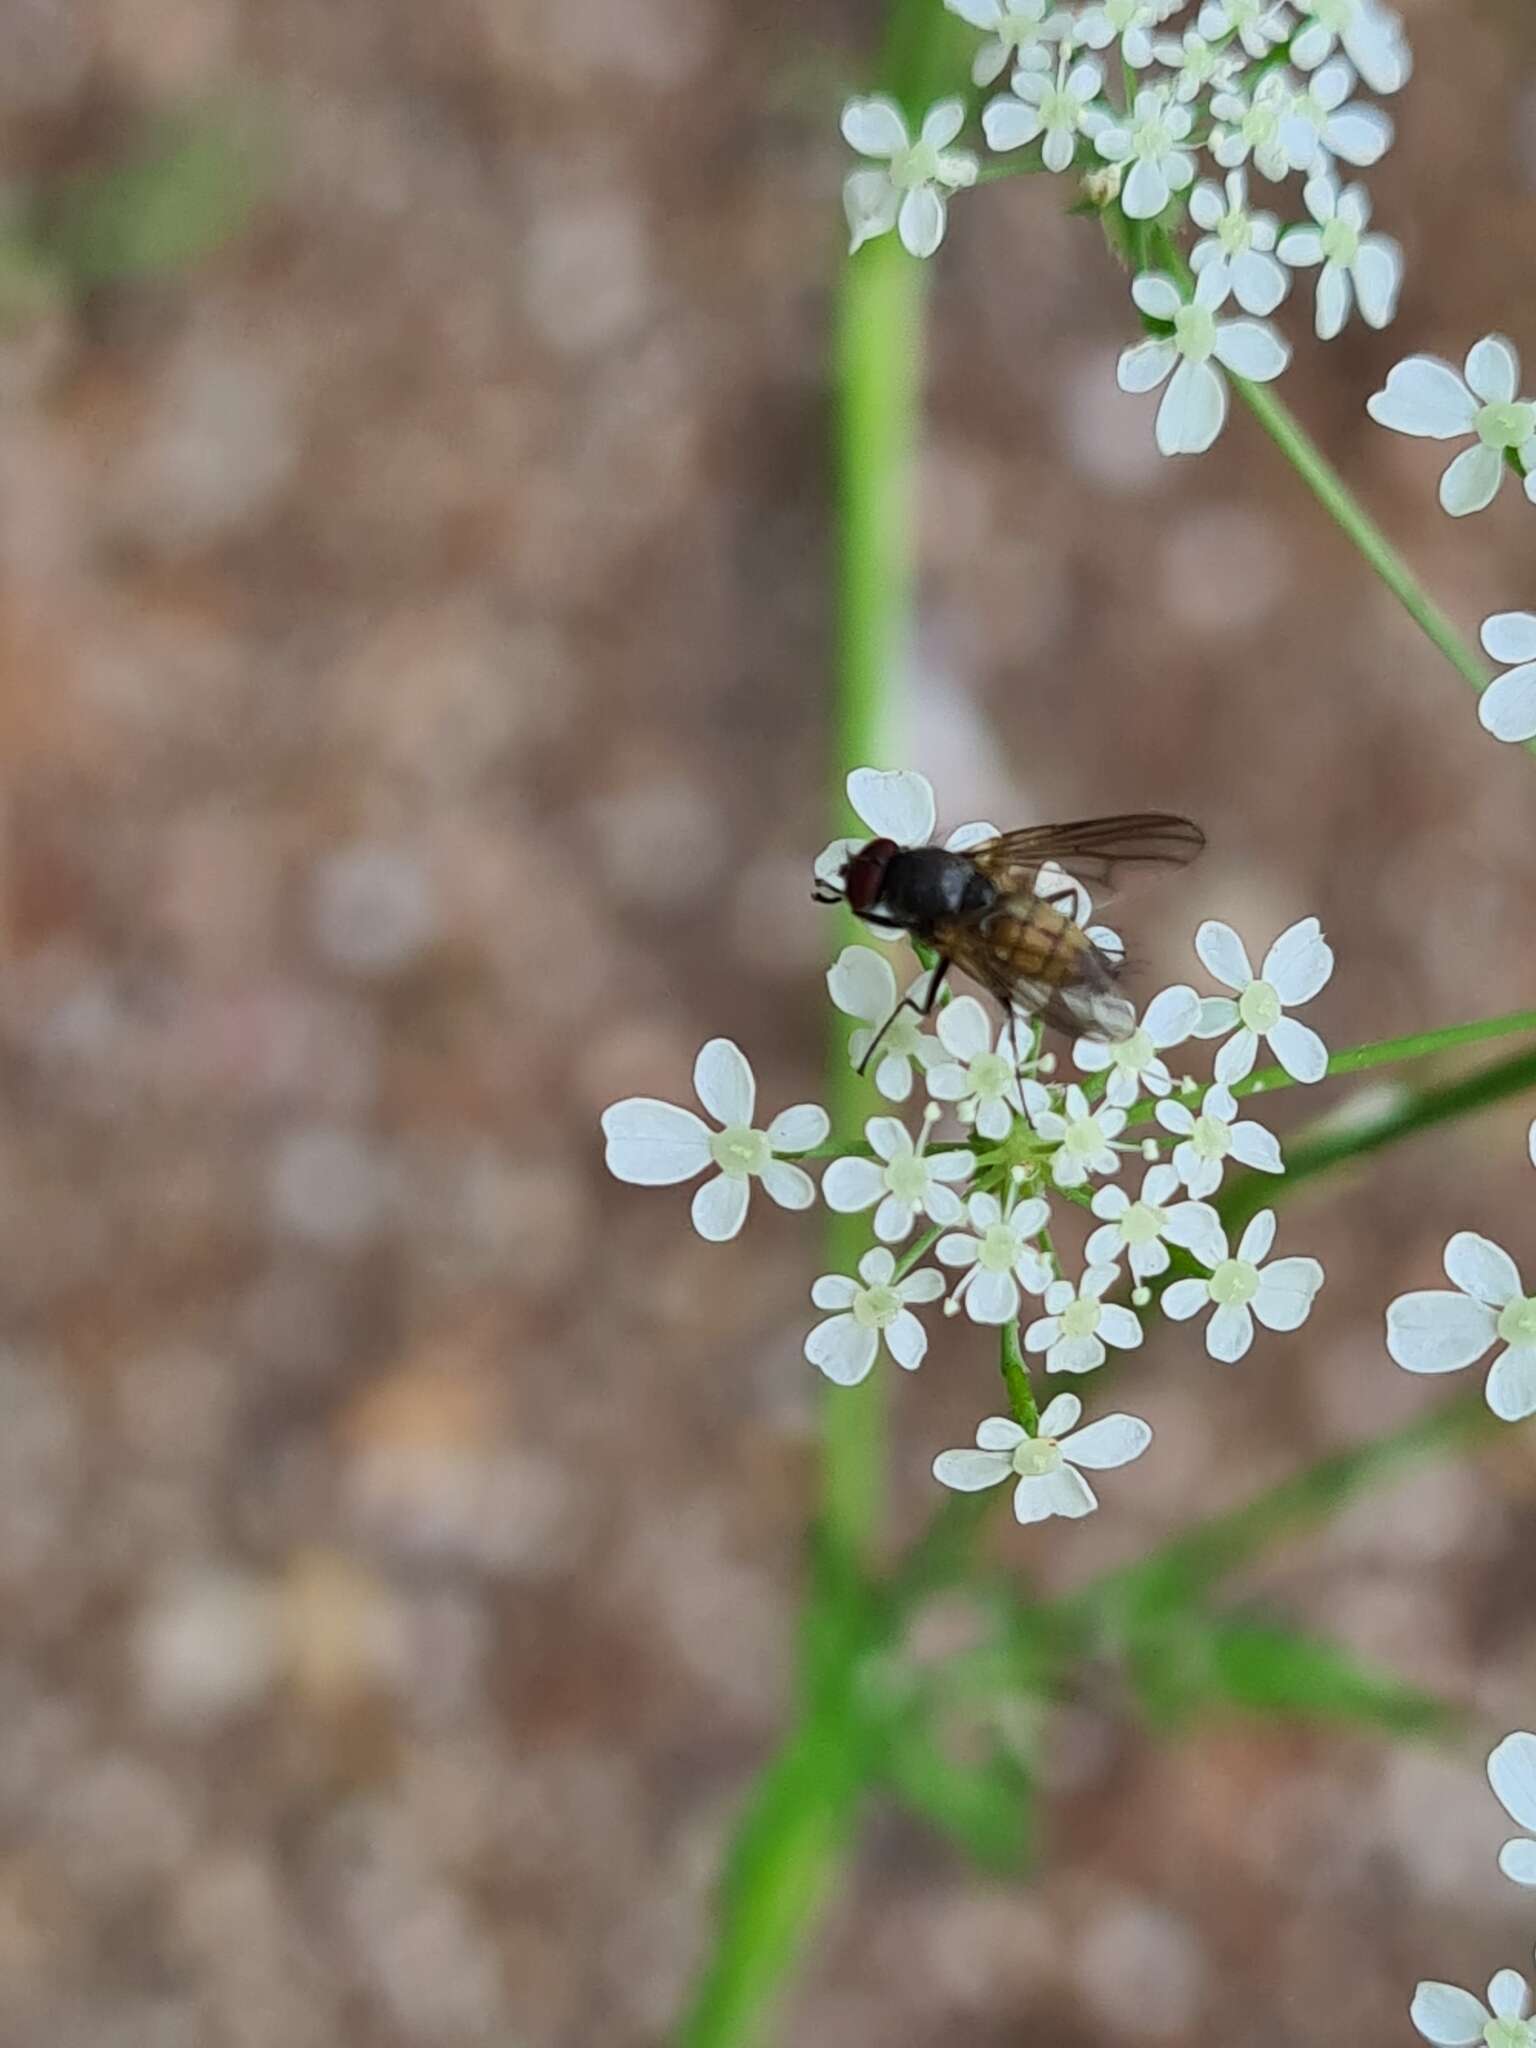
x=984, y=1172
x=1128, y=94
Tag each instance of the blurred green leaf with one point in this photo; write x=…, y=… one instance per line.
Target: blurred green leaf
x=987, y=1807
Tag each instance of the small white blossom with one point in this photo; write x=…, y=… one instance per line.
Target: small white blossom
x=1198, y=64
x=1426, y=397
x=906, y=1180
x=1453, y=2018
x=1512, y=1774
x=1249, y=127
x=997, y=1256
x=1017, y=31
x=1239, y=242
x=1128, y=22
x=1507, y=708
x=1194, y=407
x=877, y=1305
x=1367, y=269
x=1078, y=1323
x=896, y=804
x=655, y=1144
x=1134, y=1063
x=1149, y=151
x=1212, y=1136
x=1060, y=105
x=1279, y=1294
x=978, y=1077
x=1046, y=1466
x=1295, y=968
x=908, y=193
x=1371, y=34
x=1084, y=1138
x=861, y=983
x=1144, y=1228
x=1321, y=120
x=1258, y=24
x=1435, y=1330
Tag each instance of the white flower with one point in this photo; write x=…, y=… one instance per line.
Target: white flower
x=1196, y=62
x=897, y=804
x=1214, y=1135
x=1238, y=242
x=1084, y=1138
x=1144, y=1228
x=1426, y=397
x=1322, y=121
x=978, y=1078
x=1280, y=1294
x=862, y=984
x=1046, y=1465
x=1132, y=1063
x=1257, y=24
x=903, y=1178
x=1512, y=1774
x=1507, y=708
x=908, y=193
x=1296, y=967
x=1194, y=407
x=1250, y=127
x=1371, y=34
x=1453, y=2018
x=998, y=1257
x=1367, y=269
x=1059, y=105
x=1438, y=1331
x=1148, y=151
x=1078, y=1323
x=655, y=1144
x=846, y=1345
x=1016, y=33
x=1130, y=22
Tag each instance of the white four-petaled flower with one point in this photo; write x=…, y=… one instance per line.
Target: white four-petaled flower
x=1434, y=1330
x=998, y=1256
x=1134, y=1063
x=1078, y=1323
x=1453, y=2018
x=978, y=1077
x=1242, y=1287
x=1018, y=32
x=904, y=1178
x=1059, y=105
x=1149, y=150
x=1426, y=397
x=1295, y=968
x=1084, y=1138
x=1144, y=1228
x=1047, y=1465
x=896, y=804
x=1198, y=64
x=1239, y=242
x=1371, y=35
x=908, y=192
x=1257, y=24
x=1512, y=1774
x=1249, y=125
x=1365, y=269
x=655, y=1144
x=1507, y=708
x=1211, y=1135
x=877, y=1305
x=862, y=984
x=1194, y=407
x=1320, y=121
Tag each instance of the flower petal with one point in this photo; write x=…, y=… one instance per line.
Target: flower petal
x=1299, y=963
x=1509, y=1995
x=1517, y=1860
x=1435, y=1331
x=1471, y=483
x=1119, y=1327
x=972, y=1471
x=798, y=1128
x=874, y=127
x=1234, y=1062
x=1193, y=410
x=723, y=1082
x=790, y=1186
x=1112, y=1440
x=654, y=1144
x=1156, y=295
x=1378, y=279
x=920, y=223
x=1185, y=1298
x=1008, y=123
x=1061, y=1415
x=1229, y=1333
x=1075, y=1354
x=1287, y=1290
x=894, y=803
x=1222, y=954
x=1424, y=396
x=1493, y=370
x=1171, y=1016
x=1253, y=1145
x=843, y=1349
x=1511, y=1388
x=834, y=1291
x=870, y=206
x=1299, y=1050
x=1510, y=636
x=720, y=1207
x=1251, y=349
x=862, y=984
x=991, y=1298
x=964, y=1028
x=1255, y=1242
x=1146, y=190
x=1507, y=708
x=894, y=1220
x=999, y=1433
x=1512, y=1774
x=1448, y=2016
x=1063, y=1492
x=1481, y=1268
x=849, y=1185
x=906, y=1340
x=1145, y=366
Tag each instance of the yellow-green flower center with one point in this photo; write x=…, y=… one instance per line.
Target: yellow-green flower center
x=1507, y=425
x=907, y=1176
x=1142, y=1222
x=1084, y=1139
x=1037, y=1456
x=989, y=1075
x=1235, y=231
x=916, y=166
x=1341, y=242
x=1133, y=1053
x=1509, y=2034
x=1194, y=333
x=875, y=1308
x=1211, y=1138
x=1081, y=1317
x=1234, y=1281
x=1517, y=1323
x=740, y=1151
x=999, y=1248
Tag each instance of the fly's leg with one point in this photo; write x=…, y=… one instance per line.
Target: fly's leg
x=908, y=1002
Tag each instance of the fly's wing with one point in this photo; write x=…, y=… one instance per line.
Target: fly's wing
x=1031, y=958
x=1101, y=853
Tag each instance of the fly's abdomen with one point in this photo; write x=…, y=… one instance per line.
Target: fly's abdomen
x=1040, y=944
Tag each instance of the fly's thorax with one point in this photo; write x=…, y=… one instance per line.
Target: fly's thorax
x=924, y=884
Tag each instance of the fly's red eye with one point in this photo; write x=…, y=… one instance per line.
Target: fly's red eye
x=864, y=875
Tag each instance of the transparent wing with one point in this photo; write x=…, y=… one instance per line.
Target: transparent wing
x=1102, y=853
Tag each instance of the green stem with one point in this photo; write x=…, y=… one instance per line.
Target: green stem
x=1021, y=1392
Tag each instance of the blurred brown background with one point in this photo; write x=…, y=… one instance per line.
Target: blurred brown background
x=414, y=656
